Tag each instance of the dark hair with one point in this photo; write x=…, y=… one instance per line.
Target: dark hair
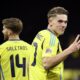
x=14, y=24
x=57, y=10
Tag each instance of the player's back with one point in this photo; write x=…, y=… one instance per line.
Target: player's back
x=14, y=59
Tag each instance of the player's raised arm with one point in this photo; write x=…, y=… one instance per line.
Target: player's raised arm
x=49, y=62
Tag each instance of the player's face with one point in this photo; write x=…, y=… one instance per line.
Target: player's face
x=5, y=33
x=59, y=24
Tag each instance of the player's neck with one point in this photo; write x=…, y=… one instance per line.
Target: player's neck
x=53, y=31
x=14, y=37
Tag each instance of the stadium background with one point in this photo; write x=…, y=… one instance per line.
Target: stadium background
x=33, y=14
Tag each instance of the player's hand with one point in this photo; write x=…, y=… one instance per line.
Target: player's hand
x=75, y=46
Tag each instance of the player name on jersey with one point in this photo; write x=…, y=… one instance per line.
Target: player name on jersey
x=12, y=48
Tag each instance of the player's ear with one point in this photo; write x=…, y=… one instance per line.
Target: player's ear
x=9, y=32
x=50, y=21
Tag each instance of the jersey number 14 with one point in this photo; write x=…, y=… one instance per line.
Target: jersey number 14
x=23, y=65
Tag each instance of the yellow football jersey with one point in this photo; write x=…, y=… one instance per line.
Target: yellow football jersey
x=46, y=45
x=14, y=58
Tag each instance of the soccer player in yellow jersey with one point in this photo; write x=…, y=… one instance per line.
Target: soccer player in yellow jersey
x=47, y=61
x=14, y=53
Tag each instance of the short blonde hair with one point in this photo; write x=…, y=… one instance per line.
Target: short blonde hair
x=56, y=10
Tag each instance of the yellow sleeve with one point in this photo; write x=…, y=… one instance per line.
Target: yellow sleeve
x=49, y=51
x=50, y=46
x=0, y=50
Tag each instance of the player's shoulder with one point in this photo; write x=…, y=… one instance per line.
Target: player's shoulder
x=4, y=44
x=27, y=44
x=41, y=35
x=44, y=32
x=24, y=42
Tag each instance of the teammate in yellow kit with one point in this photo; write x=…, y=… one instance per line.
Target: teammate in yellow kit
x=47, y=61
x=14, y=53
